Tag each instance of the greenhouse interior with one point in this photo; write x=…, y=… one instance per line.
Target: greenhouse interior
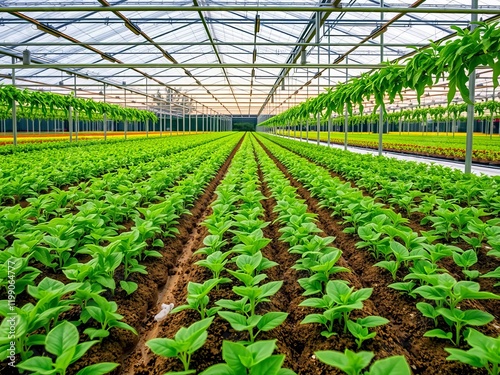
x=250, y=187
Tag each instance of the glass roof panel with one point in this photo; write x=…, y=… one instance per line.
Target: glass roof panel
x=205, y=41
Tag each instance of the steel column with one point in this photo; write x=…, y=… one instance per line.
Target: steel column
x=470, y=107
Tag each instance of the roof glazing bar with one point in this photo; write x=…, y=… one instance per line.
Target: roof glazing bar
x=247, y=8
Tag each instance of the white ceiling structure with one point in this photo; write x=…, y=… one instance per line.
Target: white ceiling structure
x=231, y=57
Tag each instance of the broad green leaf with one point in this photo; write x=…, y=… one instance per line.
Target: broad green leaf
x=396, y=365
x=61, y=338
x=439, y=333
x=163, y=347
x=261, y=350
x=269, y=366
x=271, y=320
x=36, y=364
x=98, y=369
x=219, y=369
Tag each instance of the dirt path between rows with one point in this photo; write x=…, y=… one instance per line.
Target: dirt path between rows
x=179, y=250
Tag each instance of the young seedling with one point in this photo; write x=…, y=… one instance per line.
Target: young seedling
x=428, y=311
x=446, y=291
x=255, y=359
x=215, y=262
x=312, y=245
x=183, y=345
x=213, y=243
x=485, y=352
x=405, y=287
x=353, y=363
x=245, y=318
x=402, y=255
x=249, y=268
x=197, y=298
x=459, y=319
x=298, y=235
x=494, y=274
x=104, y=312
x=254, y=324
x=465, y=260
x=359, y=328
x=373, y=239
x=322, y=266
x=338, y=302
x=250, y=243
x=62, y=343
x=435, y=252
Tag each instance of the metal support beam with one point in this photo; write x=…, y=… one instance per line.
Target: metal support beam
x=188, y=65
x=14, y=112
x=245, y=8
x=267, y=44
x=70, y=123
x=346, y=125
x=470, y=107
x=381, y=112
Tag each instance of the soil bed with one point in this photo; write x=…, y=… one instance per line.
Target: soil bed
x=407, y=326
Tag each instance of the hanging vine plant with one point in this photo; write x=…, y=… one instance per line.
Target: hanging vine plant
x=453, y=60
x=47, y=105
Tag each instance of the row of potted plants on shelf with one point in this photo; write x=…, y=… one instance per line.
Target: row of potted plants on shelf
x=484, y=156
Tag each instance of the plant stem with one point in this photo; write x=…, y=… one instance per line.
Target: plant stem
x=458, y=328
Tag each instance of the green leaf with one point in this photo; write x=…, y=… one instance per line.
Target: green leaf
x=271, y=320
x=270, y=288
x=285, y=371
x=477, y=317
x=163, y=347
x=372, y=321
x=61, y=338
x=314, y=318
x=37, y=364
x=219, y=369
x=439, y=333
x=158, y=243
x=261, y=350
x=232, y=354
x=237, y=321
x=94, y=333
x=396, y=365
x=269, y=366
x=465, y=357
x=129, y=286
x=349, y=362
x=98, y=369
